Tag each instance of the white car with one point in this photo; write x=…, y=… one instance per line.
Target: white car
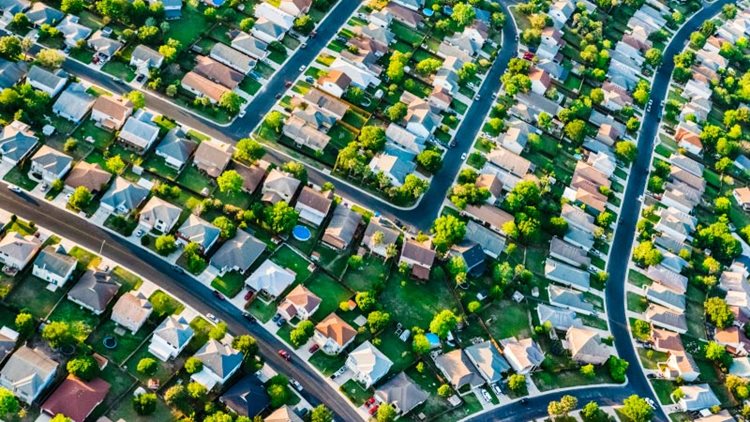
x=302, y=68
x=296, y=384
x=486, y=395
x=212, y=318
x=242, y=113
x=463, y=156
x=14, y=188
x=496, y=388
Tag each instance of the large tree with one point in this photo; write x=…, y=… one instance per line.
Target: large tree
x=636, y=409
x=230, y=181
x=447, y=230
x=443, y=322
x=280, y=217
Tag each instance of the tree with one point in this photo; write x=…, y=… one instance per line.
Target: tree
x=231, y=102
x=566, y=405
x=193, y=365
x=176, y=396
x=137, y=99
x=463, y=14
x=280, y=217
x=9, y=405
x=420, y=344
x=72, y=6
x=430, y=159
x=245, y=344
x=247, y=24
x=447, y=230
x=147, y=366
x=646, y=254
x=718, y=353
x=396, y=112
x=145, y=404
x=10, y=46
x=301, y=333
x=386, y=413
x=170, y=50
x=575, y=130
x=372, y=138
x=248, y=150
x=296, y=169
x=275, y=120
x=697, y=40
x=60, y=418
x=115, y=164
x=653, y=56
x=517, y=382
x=58, y=334
x=718, y=312
x=428, y=66
x=24, y=323
x=592, y=413
x=80, y=198
x=228, y=229
x=278, y=391
x=196, y=391
x=377, y=320
x=396, y=64
x=365, y=300
x=50, y=58
x=148, y=34
x=636, y=409
x=444, y=390
x=304, y=24
x=443, y=322
x=626, y=151
x=218, y=331
x=617, y=368
x=588, y=371
x=83, y=367
x=321, y=413
x=641, y=330
x=230, y=181
x=165, y=244
x=467, y=71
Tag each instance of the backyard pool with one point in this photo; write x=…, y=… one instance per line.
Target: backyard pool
x=301, y=233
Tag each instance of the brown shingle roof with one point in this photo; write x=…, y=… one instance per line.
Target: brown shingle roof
x=318, y=201
x=117, y=108
x=203, y=85
x=217, y=72
x=76, y=398
x=252, y=176
x=90, y=176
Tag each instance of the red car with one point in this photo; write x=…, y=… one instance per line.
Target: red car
x=314, y=348
x=528, y=55
x=249, y=295
x=284, y=354
x=370, y=401
x=374, y=410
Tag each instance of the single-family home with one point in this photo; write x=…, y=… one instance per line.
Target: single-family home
x=138, y=133
x=569, y=254
x=232, y=58
x=267, y=31
x=144, y=58
x=662, y=295
x=734, y=340
x=420, y=119
x=9, y=8
x=49, y=164
x=342, y=228
x=334, y=82
x=12, y=72
x=419, y=257
x=305, y=134
x=220, y=362
x=523, y=355
x=333, y=334
x=585, y=345
x=379, y=244
x=472, y=255
x=131, y=311
x=368, y=364
x=271, y=279
x=696, y=398
x=248, y=397
x=237, y=253
x=742, y=196
x=404, y=139
x=170, y=338
x=252, y=176
x=679, y=365
x=274, y=14
x=93, y=291
x=54, y=266
x=540, y=81
x=17, y=250
x=44, y=80
x=212, y=157
x=361, y=77
x=72, y=31
x=201, y=86
x=158, y=215
x=217, y=72
x=488, y=361
x=313, y=206
x=91, y=176
x=73, y=103
x=76, y=398
x=300, y=303
x=665, y=318
x=279, y=186
x=509, y=161
x=395, y=164
x=402, y=393
x=492, y=243
x=199, y=231
x=569, y=299
x=250, y=45
x=176, y=148
x=459, y=371
x=111, y=112
x=295, y=8
x=41, y=14
x=104, y=46
x=8, y=339
x=172, y=8
x=566, y=275
x=558, y=318
x=123, y=197
x=27, y=373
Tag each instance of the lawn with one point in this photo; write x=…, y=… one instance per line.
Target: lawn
x=288, y=258
x=250, y=85
x=414, y=303
x=85, y=258
x=19, y=176
x=124, y=411
x=165, y=304
x=374, y=271
x=508, y=319
x=120, y=382
x=406, y=34
x=355, y=393
x=664, y=389
x=637, y=303
x=7, y=317
x=638, y=278
x=158, y=166
x=230, y=284
x=22, y=227
x=261, y=310
x=82, y=321
x=694, y=312
x=189, y=27
x=32, y=294
x=333, y=260
x=119, y=69
x=650, y=358
x=399, y=352
x=330, y=292
x=127, y=343
x=127, y=279
x=164, y=371
x=429, y=382
x=101, y=138
x=192, y=179
x=568, y=378
x=327, y=364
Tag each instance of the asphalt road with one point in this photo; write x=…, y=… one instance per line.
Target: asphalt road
x=180, y=285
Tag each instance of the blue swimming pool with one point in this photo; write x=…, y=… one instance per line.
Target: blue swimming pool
x=301, y=233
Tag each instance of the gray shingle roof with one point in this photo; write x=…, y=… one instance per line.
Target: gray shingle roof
x=402, y=392
x=40, y=14
x=95, y=290
x=240, y=251
x=197, y=230
x=55, y=262
x=27, y=369
x=138, y=132
x=124, y=194
x=11, y=72
x=220, y=358
x=43, y=76
x=488, y=360
x=177, y=145
x=175, y=331
x=51, y=159
x=74, y=101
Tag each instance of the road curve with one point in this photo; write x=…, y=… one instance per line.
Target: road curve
x=182, y=286
x=620, y=253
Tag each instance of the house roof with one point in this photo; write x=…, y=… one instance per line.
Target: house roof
x=336, y=77
x=401, y=392
x=125, y=194
x=509, y=161
x=103, y=44
x=667, y=277
x=336, y=329
x=664, y=317
x=471, y=253
x=660, y=293
x=40, y=14
x=492, y=243
x=252, y=176
x=14, y=6
x=116, y=108
x=90, y=176
x=27, y=370
x=51, y=159
x=491, y=182
x=43, y=76
x=175, y=331
x=698, y=397
x=326, y=102
x=157, y=209
x=177, y=145
x=95, y=289
x=274, y=279
x=562, y=296
x=234, y=58
x=390, y=235
x=488, y=360
x=419, y=252
x=301, y=297
x=564, y=249
x=522, y=353
x=55, y=262
x=342, y=227
x=664, y=340
x=240, y=251
x=12, y=72
x=369, y=360
x=222, y=359
x=250, y=45
x=139, y=132
x=217, y=72
x=456, y=366
x=197, y=230
x=76, y=398
x=560, y=318
x=72, y=31
x=247, y=397
x=204, y=85
x=314, y=199
x=147, y=54
x=212, y=156
x=19, y=247
x=302, y=132
x=283, y=414
x=562, y=272
x=132, y=307
x=16, y=141
x=74, y=101
x=8, y=338
x=489, y=214
x=585, y=345
x=393, y=165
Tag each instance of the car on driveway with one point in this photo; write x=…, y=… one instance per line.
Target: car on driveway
x=486, y=395
x=314, y=348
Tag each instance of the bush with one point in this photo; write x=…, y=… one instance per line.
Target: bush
x=193, y=365
x=147, y=366
x=83, y=367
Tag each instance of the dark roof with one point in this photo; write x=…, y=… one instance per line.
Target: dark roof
x=473, y=256
x=11, y=72
x=76, y=398
x=247, y=397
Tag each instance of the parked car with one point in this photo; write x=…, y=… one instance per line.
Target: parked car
x=284, y=354
x=249, y=317
x=249, y=295
x=486, y=395
x=212, y=318
x=218, y=295
x=280, y=322
x=14, y=188
x=296, y=384
x=276, y=317
x=314, y=348
x=373, y=410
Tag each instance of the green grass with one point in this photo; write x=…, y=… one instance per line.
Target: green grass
x=546, y=381
x=158, y=166
x=192, y=179
x=189, y=27
x=374, y=271
x=664, y=389
x=406, y=34
x=399, y=352
x=637, y=303
x=120, y=382
x=638, y=278
x=508, y=319
x=119, y=69
x=127, y=279
x=125, y=412
x=286, y=257
x=694, y=312
x=230, y=284
x=414, y=303
x=262, y=311
x=82, y=321
x=327, y=364
x=32, y=294
x=85, y=258
x=102, y=138
x=330, y=292
x=164, y=371
x=650, y=358
x=250, y=85
x=7, y=317
x=476, y=160
x=355, y=393
x=19, y=176
x=127, y=343
x=21, y=227
x=333, y=260
x=165, y=304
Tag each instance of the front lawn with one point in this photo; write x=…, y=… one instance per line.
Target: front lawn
x=165, y=304
x=119, y=69
x=85, y=258
x=546, y=381
x=355, y=393
x=327, y=364
x=19, y=176
x=229, y=284
x=21, y=227
x=507, y=319
x=261, y=310
x=127, y=279
x=330, y=291
x=664, y=389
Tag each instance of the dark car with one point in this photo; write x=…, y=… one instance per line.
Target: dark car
x=249, y=295
x=248, y=317
x=218, y=295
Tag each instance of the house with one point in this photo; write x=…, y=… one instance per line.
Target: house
x=41, y=14
x=569, y=299
x=734, y=339
x=247, y=397
x=74, y=103
x=492, y=243
x=509, y=161
x=401, y=393
x=283, y=414
x=578, y=218
x=131, y=311
x=679, y=365
x=238, y=253
x=488, y=361
x=279, y=17
x=144, y=58
x=76, y=398
x=250, y=45
x=201, y=86
x=689, y=141
x=267, y=31
x=540, y=81
x=220, y=362
x=49, y=164
x=176, y=148
x=586, y=346
x=696, y=398
x=490, y=216
x=419, y=257
x=334, y=82
x=566, y=275
x=217, y=72
x=515, y=138
x=111, y=113
x=9, y=8
x=672, y=280
x=12, y=72
x=123, y=197
x=379, y=244
x=91, y=176
x=472, y=255
x=232, y=58
x=368, y=364
x=405, y=139
x=313, y=205
x=104, y=46
x=170, y=338
x=199, y=231
x=664, y=318
x=395, y=164
x=676, y=224
x=742, y=196
x=72, y=31
x=415, y=5
x=138, y=133
x=333, y=334
x=300, y=303
x=252, y=176
x=305, y=134
x=27, y=373
x=558, y=318
x=327, y=104
x=560, y=12
x=16, y=250
x=361, y=77
x=420, y=120
x=523, y=355
x=459, y=371
x=615, y=97
x=295, y=8
x=270, y=279
x=55, y=267
x=569, y=254
x=8, y=339
x=45, y=81
x=93, y=291
x=159, y=215
x=212, y=157
x=342, y=228
x=279, y=186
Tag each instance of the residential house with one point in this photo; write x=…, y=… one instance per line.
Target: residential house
x=492, y=217
x=368, y=364
x=567, y=253
x=279, y=186
x=17, y=140
x=557, y=318
x=283, y=414
x=488, y=361
x=111, y=113
x=93, y=291
x=615, y=97
x=679, y=365
x=523, y=355
x=131, y=311
x=199, y=231
x=540, y=81
x=248, y=397
x=404, y=139
x=509, y=161
x=41, y=14
x=159, y=215
x=74, y=103
x=334, y=82
x=459, y=371
x=586, y=346
x=91, y=176
x=250, y=45
x=300, y=303
x=138, y=133
x=420, y=119
x=492, y=243
x=201, y=86
x=172, y=9
x=342, y=228
x=27, y=373
x=333, y=334
x=144, y=58
x=362, y=77
x=176, y=148
x=689, y=141
x=267, y=31
x=49, y=164
x=212, y=157
x=742, y=196
x=238, y=253
x=313, y=205
x=666, y=318
x=395, y=164
x=72, y=31
x=12, y=72
x=696, y=398
x=170, y=338
x=279, y=17
x=123, y=197
x=252, y=176
x=104, y=46
x=17, y=250
x=569, y=299
x=515, y=138
x=676, y=224
x=560, y=12
x=419, y=257
x=44, y=80
x=8, y=339
x=664, y=296
x=492, y=183
x=220, y=362
x=9, y=8
x=566, y=275
x=76, y=398
x=270, y=279
x=232, y=58
x=217, y=72
x=53, y=266
x=305, y=134
x=415, y=5
x=401, y=393
x=472, y=255
x=295, y=8
x=734, y=340
x=379, y=244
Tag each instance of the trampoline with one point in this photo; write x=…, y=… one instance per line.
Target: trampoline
x=301, y=233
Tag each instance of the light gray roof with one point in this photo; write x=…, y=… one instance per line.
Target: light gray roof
x=233, y=58
x=157, y=209
x=95, y=290
x=27, y=370
x=561, y=296
x=139, y=132
x=74, y=101
x=40, y=14
x=175, y=331
x=659, y=293
x=104, y=45
x=666, y=318
x=55, y=262
x=667, y=277
x=371, y=361
x=488, y=360
x=199, y=231
x=250, y=45
x=343, y=225
x=492, y=243
x=220, y=358
x=12, y=72
x=240, y=251
x=124, y=194
x=271, y=278
x=72, y=30
x=402, y=392
x=698, y=397
x=14, y=6
x=394, y=165
x=566, y=274
x=565, y=250
x=8, y=338
x=51, y=159
x=459, y=370
x=560, y=318
x=19, y=247
x=147, y=54
x=43, y=76
x=581, y=237
x=177, y=145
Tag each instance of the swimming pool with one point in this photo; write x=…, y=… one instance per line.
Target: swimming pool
x=301, y=233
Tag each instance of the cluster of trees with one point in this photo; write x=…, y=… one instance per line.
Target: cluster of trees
x=24, y=103
x=516, y=77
